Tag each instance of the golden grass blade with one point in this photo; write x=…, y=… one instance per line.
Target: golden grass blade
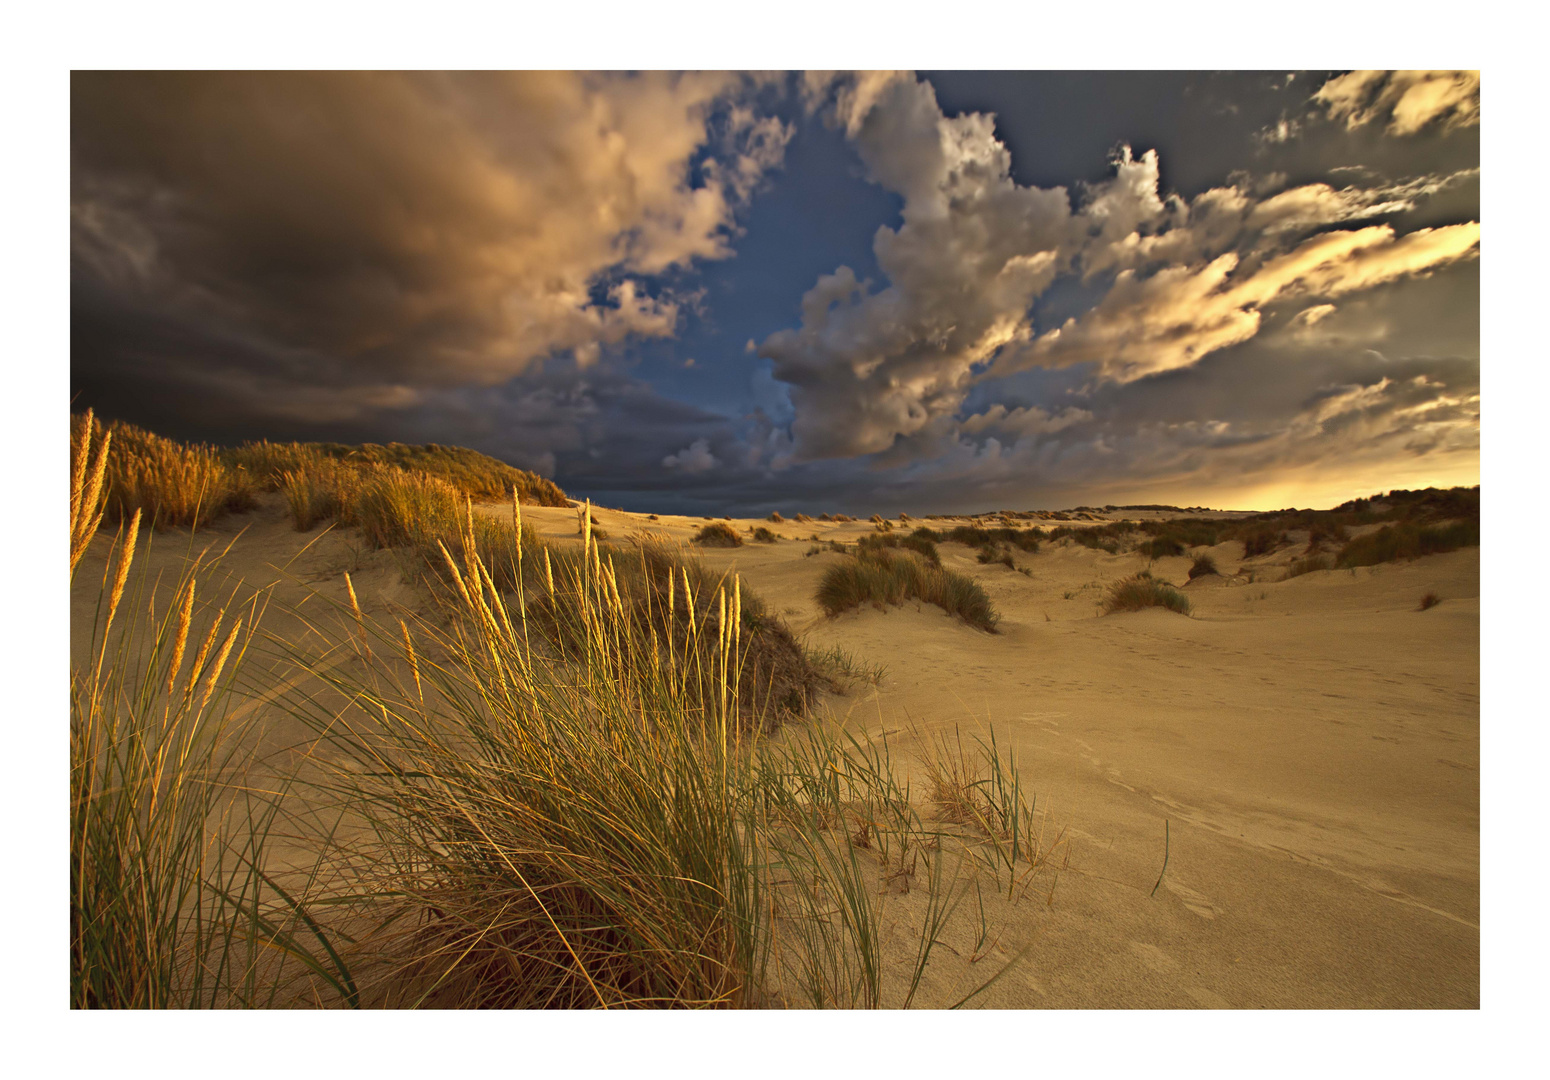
x=180, y=638
x=220, y=662
x=121, y=575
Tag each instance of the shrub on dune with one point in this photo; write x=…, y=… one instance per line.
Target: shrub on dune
x=764, y=536
x=1203, y=565
x=718, y=534
x=891, y=575
x=1407, y=541
x=1161, y=547
x=1307, y=565
x=1141, y=591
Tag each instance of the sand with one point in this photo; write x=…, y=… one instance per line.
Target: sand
x=1309, y=748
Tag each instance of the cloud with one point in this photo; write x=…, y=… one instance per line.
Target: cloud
x=1411, y=100
x=884, y=371
x=1180, y=314
x=694, y=458
x=412, y=228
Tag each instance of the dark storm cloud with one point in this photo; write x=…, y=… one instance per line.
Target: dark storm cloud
x=1287, y=304
x=344, y=243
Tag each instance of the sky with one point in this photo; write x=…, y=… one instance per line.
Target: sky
x=929, y=291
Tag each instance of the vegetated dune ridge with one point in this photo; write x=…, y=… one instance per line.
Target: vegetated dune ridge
x=1303, y=754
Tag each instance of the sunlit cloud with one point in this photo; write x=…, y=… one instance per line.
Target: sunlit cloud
x=1409, y=100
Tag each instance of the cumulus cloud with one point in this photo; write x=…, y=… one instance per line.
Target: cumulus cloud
x=1178, y=315
x=1410, y=100
x=694, y=458
x=884, y=370
x=410, y=228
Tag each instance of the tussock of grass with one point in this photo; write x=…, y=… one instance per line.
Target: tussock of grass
x=842, y=665
x=1407, y=540
x=1430, y=600
x=764, y=536
x=996, y=553
x=170, y=905
x=1202, y=566
x=981, y=787
x=1261, y=540
x=892, y=576
x=1307, y=565
x=598, y=831
x=718, y=534
x=399, y=509
x=1161, y=547
x=1098, y=537
x=775, y=516
x=918, y=544
x=168, y=483
x=1141, y=591
x=470, y=472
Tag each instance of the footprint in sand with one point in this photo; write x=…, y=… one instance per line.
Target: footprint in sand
x=1194, y=901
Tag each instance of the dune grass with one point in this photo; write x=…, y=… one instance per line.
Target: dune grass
x=1160, y=547
x=590, y=830
x=916, y=543
x=557, y=783
x=170, y=903
x=167, y=483
x=1142, y=591
x=1203, y=566
x=881, y=575
x=1407, y=540
x=763, y=535
x=996, y=553
x=1307, y=565
x=718, y=534
x=1429, y=601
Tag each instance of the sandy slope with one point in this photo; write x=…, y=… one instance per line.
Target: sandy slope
x=1312, y=746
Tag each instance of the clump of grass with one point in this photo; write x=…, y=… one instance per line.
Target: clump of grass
x=1142, y=591
x=891, y=576
x=802, y=519
x=598, y=832
x=1098, y=537
x=324, y=490
x=1202, y=566
x=1430, y=600
x=842, y=518
x=764, y=536
x=1261, y=540
x=846, y=666
x=167, y=483
x=718, y=534
x=1307, y=565
x=918, y=544
x=473, y=474
x=1321, y=532
x=981, y=787
x=997, y=553
x=775, y=516
x=170, y=902
x=401, y=509
x=1161, y=547
x=1407, y=540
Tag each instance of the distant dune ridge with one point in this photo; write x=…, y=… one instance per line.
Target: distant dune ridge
x=1202, y=758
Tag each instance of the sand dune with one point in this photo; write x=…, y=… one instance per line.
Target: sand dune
x=1309, y=748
